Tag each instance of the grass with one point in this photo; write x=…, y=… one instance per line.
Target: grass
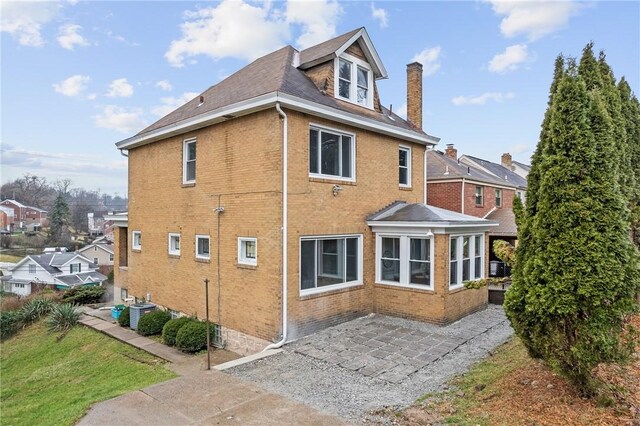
x=43, y=378
x=10, y=258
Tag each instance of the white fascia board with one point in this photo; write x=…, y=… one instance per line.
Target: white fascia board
x=267, y=101
x=74, y=258
x=400, y=224
x=26, y=258
x=472, y=181
x=370, y=52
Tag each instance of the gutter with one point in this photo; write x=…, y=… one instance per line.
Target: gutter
x=285, y=200
x=267, y=101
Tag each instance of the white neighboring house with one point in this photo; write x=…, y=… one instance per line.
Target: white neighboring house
x=100, y=254
x=62, y=270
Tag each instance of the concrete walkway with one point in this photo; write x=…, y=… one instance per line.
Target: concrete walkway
x=198, y=397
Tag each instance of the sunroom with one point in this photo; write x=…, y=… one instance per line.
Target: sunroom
x=423, y=257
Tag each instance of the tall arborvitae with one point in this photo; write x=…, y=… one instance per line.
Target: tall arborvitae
x=576, y=273
x=631, y=114
x=59, y=221
x=516, y=304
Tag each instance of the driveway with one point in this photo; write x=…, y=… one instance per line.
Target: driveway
x=375, y=361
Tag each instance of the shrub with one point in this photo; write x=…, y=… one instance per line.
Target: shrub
x=83, y=295
x=63, y=317
x=35, y=309
x=192, y=337
x=124, y=319
x=171, y=328
x=12, y=303
x=9, y=323
x=151, y=323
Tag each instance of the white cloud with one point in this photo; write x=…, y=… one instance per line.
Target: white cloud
x=233, y=28
x=24, y=20
x=519, y=148
x=429, y=58
x=120, y=88
x=72, y=86
x=120, y=119
x=380, y=15
x=318, y=19
x=164, y=85
x=482, y=99
x=535, y=19
x=510, y=59
x=171, y=103
x=69, y=36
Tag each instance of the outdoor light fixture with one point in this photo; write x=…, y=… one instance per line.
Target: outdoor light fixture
x=429, y=233
x=336, y=189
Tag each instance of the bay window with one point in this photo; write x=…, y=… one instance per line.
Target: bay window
x=404, y=260
x=462, y=250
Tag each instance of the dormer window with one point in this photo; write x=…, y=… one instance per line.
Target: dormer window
x=354, y=81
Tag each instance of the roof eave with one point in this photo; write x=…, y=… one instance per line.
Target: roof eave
x=266, y=101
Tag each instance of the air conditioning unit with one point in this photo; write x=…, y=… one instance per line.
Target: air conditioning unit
x=137, y=311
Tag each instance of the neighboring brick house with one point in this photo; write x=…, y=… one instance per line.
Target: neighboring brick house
x=7, y=218
x=509, y=171
x=58, y=270
x=468, y=188
x=301, y=198
x=24, y=216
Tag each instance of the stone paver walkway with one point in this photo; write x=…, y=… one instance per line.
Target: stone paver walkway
x=390, y=348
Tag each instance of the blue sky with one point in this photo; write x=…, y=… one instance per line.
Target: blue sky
x=79, y=76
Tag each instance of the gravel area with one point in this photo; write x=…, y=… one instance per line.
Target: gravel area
x=351, y=395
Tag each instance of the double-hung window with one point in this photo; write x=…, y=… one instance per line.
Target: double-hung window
x=330, y=262
x=498, y=197
x=404, y=260
x=331, y=154
x=466, y=254
x=75, y=268
x=32, y=269
x=404, y=165
x=189, y=161
x=479, y=196
x=354, y=81
x=202, y=247
x=247, y=251
x=136, y=240
x=174, y=244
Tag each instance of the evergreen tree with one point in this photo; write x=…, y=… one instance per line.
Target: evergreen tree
x=631, y=114
x=576, y=273
x=59, y=221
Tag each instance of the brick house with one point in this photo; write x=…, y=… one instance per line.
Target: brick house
x=24, y=216
x=301, y=198
x=7, y=218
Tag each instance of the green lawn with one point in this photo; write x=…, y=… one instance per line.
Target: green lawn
x=10, y=258
x=44, y=381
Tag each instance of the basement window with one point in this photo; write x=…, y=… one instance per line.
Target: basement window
x=202, y=247
x=174, y=244
x=136, y=240
x=247, y=251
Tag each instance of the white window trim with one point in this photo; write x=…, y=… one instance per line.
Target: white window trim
x=408, y=149
x=353, y=93
x=242, y=259
x=405, y=262
x=472, y=256
x=333, y=287
x=200, y=256
x=171, y=250
x=320, y=128
x=475, y=195
x=135, y=246
x=496, y=192
x=184, y=160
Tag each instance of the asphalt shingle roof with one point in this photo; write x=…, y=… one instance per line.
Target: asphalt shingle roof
x=507, y=222
x=401, y=211
x=440, y=167
x=501, y=172
x=79, y=279
x=275, y=72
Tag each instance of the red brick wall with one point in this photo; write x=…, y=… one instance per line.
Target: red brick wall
x=445, y=195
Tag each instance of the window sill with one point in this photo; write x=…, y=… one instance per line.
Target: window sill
x=123, y=268
x=136, y=250
x=246, y=266
x=407, y=287
x=188, y=185
x=334, y=180
x=174, y=256
x=457, y=288
x=202, y=260
x=405, y=188
x=329, y=291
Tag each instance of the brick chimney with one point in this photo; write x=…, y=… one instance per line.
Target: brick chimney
x=414, y=94
x=506, y=160
x=451, y=152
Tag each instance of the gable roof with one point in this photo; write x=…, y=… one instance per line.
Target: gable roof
x=104, y=247
x=498, y=170
x=52, y=262
x=526, y=167
x=276, y=78
x=13, y=202
x=507, y=222
x=443, y=167
x=81, y=278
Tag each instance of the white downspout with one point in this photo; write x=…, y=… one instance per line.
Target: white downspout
x=285, y=197
x=426, y=149
x=462, y=196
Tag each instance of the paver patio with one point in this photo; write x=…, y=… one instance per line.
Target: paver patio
x=390, y=348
